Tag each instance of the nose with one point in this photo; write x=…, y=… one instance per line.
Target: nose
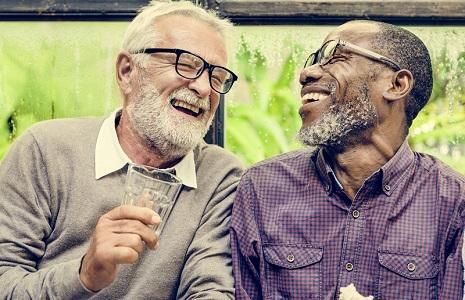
x=310, y=74
x=201, y=85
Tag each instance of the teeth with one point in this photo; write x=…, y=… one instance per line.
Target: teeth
x=187, y=106
x=314, y=96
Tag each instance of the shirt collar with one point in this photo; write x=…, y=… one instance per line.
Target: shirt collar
x=391, y=173
x=110, y=157
x=325, y=171
x=395, y=169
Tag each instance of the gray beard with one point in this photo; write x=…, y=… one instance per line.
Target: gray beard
x=342, y=124
x=165, y=133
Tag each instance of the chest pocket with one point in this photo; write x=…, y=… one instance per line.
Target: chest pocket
x=407, y=276
x=293, y=271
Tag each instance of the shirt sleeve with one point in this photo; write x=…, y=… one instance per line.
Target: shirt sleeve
x=452, y=284
x=207, y=272
x=25, y=224
x=246, y=245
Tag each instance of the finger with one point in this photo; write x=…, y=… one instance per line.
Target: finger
x=124, y=255
x=135, y=227
x=129, y=240
x=143, y=214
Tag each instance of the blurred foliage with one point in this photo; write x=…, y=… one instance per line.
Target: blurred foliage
x=24, y=99
x=68, y=76
x=51, y=78
x=439, y=128
x=265, y=124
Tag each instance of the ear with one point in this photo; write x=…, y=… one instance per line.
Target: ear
x=401, y=84
x=124, y=71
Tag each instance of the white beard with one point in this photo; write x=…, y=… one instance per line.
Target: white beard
x=342, y=124
x=162, y=128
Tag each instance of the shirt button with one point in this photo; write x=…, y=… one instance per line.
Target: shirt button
x=411, y=267
x=355, y=214
x=327, y=187
x=349, y=267
x=290, y=258
x=387, y=187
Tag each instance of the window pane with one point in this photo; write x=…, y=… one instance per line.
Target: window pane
x=64, y=69
x=55, y=70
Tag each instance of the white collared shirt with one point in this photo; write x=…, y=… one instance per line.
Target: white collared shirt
x=110, y=157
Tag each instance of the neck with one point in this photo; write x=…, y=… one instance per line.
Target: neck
x=137, y=149
x=354, y=164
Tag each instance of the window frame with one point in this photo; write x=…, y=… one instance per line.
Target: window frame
x=438, y=12
x=324, y=12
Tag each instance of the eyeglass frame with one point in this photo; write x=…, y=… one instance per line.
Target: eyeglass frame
x=357, y=50
x=178, y=53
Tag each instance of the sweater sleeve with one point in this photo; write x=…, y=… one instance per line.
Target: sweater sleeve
x=207, y=273
x=26, y=222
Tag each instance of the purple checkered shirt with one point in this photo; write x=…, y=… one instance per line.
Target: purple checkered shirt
x=296, y=235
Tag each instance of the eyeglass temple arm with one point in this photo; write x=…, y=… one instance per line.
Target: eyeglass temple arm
x=370, y=54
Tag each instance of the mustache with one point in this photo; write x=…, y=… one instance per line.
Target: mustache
x=188, y=96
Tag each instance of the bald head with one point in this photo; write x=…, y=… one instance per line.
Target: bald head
x=359, y=30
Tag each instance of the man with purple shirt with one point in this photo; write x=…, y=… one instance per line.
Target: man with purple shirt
x=360, y=208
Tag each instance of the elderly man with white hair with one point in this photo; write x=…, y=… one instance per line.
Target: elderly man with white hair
x=64, y=234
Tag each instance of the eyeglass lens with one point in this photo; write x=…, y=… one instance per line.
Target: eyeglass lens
x=322, y=55
x=191, y=66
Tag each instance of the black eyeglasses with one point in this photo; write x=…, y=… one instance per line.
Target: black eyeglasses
x=326, y=52
x=191, y=66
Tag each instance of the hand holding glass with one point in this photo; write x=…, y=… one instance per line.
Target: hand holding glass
x=153, y=188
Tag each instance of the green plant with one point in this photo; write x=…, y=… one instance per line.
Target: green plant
x=44, y=78
x=17, y=113
x=267, y=122
x=439, y=128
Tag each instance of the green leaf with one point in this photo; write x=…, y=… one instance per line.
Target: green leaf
x=244, y=140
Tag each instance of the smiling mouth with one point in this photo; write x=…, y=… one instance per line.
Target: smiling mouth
x=186, y=108
x=313, y=97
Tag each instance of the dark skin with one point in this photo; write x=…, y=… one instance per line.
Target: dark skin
x=388, y=91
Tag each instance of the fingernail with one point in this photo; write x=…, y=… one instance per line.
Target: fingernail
x=156, y=219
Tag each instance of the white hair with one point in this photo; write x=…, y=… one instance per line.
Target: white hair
x=141, y=32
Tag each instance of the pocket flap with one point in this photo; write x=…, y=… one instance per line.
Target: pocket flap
x=292, y=256
x=409, y=265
